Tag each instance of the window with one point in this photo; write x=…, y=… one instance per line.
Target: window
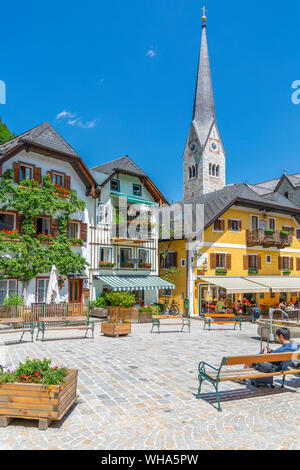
x=210, y=169
x=169, y=261
x=105, y=255
x=286, y=194
x=234, y=225
x=262, y=295
x=218, y=171
x=253, y=262
x=25, y=172
x=115, y=185
x=214, y=170
x=268, y=259
x=143, y=256
x=183, y=262
x=137, y=189
x=7, y=287
x=43, y=225
x=7, y=222
x=42, y=287
x=125, y=255
x=190, y=173
x=167, y=292
x=104, y=214
x=272, y=295
x=254, y=222
x=285, y=262
x=272, y=223
x=73, y=230
x=287, y=229
x=220, y=260
x=218, y=225
x=58, y=178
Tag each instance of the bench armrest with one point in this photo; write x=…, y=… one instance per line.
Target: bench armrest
x=203, y=364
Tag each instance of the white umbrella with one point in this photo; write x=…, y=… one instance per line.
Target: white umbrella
x=53, y=290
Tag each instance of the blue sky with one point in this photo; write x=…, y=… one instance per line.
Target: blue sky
x=126, y=71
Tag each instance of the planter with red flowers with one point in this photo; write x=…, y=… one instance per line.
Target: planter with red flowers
x=76, y=241
x=9, y=236
x=29, y=184
x=36, y=391
x=61, y=192
x=44, y=238
x=106, y=265
x=145, y=265
x=61, y=282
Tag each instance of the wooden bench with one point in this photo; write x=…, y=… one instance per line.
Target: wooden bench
x=26, y=327
x=183, y=321
x=220, y=319
x=215, y=376
x=64, y=323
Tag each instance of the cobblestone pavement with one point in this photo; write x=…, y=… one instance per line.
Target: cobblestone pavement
x=138, y=392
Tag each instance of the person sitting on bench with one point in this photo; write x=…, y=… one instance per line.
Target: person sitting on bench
x=284, y=337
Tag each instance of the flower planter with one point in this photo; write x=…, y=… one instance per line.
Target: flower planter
x=7, y=239
x=115, y=330
x=45, y=403
x=98, y=312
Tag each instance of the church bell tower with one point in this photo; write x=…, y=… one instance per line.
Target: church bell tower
x=204, y=155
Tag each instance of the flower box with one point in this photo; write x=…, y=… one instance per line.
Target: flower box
x=286, y=272
x=253, y=271
x=103, y=265
x=127, y=265
x=115, y=330
x=45, y=403
x=145, y=265
x=221, y=271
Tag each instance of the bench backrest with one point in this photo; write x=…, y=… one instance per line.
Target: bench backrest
x=259, y=358
x=219, y=315
x=167, y=317
x=61, y=319
x=12, y=320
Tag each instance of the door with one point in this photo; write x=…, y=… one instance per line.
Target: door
x=75, y=291
x=203, y=290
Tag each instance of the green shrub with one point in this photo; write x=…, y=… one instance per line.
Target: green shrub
x=34, y=371
x=120, y=299
x=13, y=299
x=100, y=302
x=159, y=306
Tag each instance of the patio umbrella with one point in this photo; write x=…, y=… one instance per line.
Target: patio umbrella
x=53, y=290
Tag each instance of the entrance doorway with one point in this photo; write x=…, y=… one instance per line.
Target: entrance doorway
x=75, y=291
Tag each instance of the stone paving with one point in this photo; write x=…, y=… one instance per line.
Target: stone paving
x=138, y=392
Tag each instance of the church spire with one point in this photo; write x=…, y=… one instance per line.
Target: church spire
x=204, y=106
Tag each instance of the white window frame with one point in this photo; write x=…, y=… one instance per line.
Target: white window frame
x=111, y=253
x=253, y=216
x=48, y=225
x=235, y=220
x=74, y=222
x=45, y=288
x=148, y=254
x=217, y=231
x=225, y=260
x=104, y=212
x=183, y=263
x=14, y=216
x=268, y=256
x=269, y=219
x=7, y=287
x=163, y=293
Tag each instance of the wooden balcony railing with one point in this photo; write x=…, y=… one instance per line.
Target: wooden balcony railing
x=268, y=239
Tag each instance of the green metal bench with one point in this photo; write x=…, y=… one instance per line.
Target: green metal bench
x=183, y=321
x=215, y=375
x=26, y=327
x=64, y=323
x=221, y=319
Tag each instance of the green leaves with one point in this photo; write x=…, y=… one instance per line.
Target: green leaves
x=29, y=257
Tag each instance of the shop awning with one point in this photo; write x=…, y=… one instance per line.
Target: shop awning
x=236, y=285
x=135, y=282
x=278, y=283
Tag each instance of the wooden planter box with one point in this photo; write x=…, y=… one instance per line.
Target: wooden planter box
x=45, y=403
x=7, y=239
x=115, y=329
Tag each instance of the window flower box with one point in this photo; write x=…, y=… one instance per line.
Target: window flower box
x=106, y=264
x=270, y=232
x=145, y=265
x=76, y=241
x=253, y=271
x=286, y=272
x=9, y=236
x=221, y=271
x=285, y=233
x=43, y=238
x=61, y=192
x=127, y=265
x=29, y=184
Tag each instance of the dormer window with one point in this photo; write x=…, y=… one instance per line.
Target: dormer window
x=286, y=194
x=115, y=185
x=137, y=189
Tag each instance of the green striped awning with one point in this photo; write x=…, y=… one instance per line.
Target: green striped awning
x=135, y=282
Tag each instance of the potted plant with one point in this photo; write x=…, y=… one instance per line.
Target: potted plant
x=35, y=390
x=61, y=282
x=146, y=312
x=116, y=327
x=76, y=241
x=98, y=307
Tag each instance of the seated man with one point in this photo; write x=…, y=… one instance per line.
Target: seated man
x=283, y=335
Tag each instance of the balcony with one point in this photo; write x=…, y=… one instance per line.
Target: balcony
x=268, y=238
x=139, y=234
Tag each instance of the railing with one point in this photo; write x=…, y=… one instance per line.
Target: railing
x=267, y=239
x=32, y=312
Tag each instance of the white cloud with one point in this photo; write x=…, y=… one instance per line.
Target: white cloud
x=151, y=53
x=73, y=120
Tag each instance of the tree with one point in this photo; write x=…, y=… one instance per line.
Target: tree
x=34, y=254
x=5, y=133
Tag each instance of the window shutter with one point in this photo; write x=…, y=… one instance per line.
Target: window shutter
x=162, y=261
x=259, y=262
x=54, y=228
x=0, y=170
x=229, y=224
x=228, y=261
x=280, y=262
x=17, y=172
x=298, y=264
x=246, y=262
x=223, y=225
x=67, y=182
x=83, y=232
x=174, y=260
x=213, y=261
x=298, y=234
x=291, y=264
x=37, y=174
x=19, y=223
x=240, y=225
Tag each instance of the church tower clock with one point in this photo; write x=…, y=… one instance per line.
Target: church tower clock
x=204, y=155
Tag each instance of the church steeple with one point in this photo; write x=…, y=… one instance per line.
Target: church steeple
x=204, y=105
x=204, y=155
